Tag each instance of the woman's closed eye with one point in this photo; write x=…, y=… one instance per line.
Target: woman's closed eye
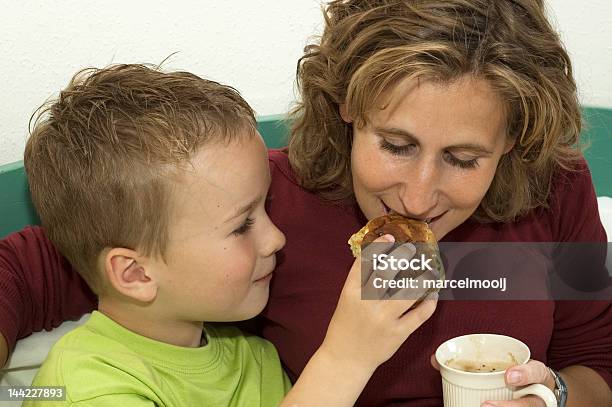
x=244, y=228
x=407, y=149
x=404, y=149
x=458, y=162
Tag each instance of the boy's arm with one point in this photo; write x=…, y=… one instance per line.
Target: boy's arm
x=38, y=288
x=325, y=381
x=362, y=334
x=337, y=373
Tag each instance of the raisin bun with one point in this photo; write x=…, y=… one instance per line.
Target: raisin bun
x=403, y=229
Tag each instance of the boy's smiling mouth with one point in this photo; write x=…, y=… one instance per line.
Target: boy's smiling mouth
x=265, y=278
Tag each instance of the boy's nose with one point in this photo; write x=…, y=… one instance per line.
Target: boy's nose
x=275, y=240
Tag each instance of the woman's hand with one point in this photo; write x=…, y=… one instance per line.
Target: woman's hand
x=531, y=372
x=522, y=375
x=368, y=332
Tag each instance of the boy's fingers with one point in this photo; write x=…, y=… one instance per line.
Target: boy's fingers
x=404, y=251
x=376, y=287
x=415, y=287
x=383, y=245
x=415, y=292
x=414, y=318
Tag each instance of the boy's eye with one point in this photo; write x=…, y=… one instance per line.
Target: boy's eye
x=465, y=164
x=396, y=149
x=244, y=227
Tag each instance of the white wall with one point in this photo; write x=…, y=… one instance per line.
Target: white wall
x=250, y=44
x=586, y=30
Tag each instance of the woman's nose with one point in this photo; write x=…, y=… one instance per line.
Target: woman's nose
x=419, y=192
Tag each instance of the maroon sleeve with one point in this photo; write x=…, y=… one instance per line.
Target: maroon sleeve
x=574, y=210
x=582, y=336
x=582, y=329
x=38, y=287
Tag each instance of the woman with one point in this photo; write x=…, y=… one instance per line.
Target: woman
x=459, y=112
x=463, y=113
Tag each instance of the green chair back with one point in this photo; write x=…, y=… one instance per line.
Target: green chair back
x=16, y=210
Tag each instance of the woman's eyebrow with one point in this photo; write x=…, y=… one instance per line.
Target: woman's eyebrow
x=475, y=147
x=396, y=132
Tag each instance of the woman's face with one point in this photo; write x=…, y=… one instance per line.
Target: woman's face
x=431, y=154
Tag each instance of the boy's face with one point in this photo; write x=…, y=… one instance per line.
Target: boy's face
x=222, y=246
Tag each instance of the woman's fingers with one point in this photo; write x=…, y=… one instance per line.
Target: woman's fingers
x=529, y=401
x=522, y=375
x=531, y=372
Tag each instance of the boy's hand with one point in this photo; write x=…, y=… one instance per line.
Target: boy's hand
x=361, y=335
x=365, y=333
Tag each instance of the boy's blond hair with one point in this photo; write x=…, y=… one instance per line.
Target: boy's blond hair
x=101, y=156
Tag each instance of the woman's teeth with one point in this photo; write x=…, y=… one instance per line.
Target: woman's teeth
x=435, y=218
x=389, y=211
x=386, y=208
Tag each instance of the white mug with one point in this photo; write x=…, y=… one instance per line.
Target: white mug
x=470, y=389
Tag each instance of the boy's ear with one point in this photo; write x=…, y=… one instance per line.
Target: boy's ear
x=128, y=274
x=344, y=113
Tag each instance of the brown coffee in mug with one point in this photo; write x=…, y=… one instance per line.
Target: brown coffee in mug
x=477, y=366
x=472, y=368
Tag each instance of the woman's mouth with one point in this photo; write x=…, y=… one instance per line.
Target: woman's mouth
x=388, y=211
x=431, y=221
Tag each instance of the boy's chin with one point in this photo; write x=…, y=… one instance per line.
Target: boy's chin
x=247, y=313
x=256, y=310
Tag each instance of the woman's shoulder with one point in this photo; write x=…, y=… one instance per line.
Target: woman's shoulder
x=573, y=205
x=571, y=215
x=280, y=166
x=566, y=180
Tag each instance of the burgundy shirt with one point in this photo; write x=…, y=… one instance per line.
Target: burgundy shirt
x=38, y=289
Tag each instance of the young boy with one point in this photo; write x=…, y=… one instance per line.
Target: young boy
x=153, y=185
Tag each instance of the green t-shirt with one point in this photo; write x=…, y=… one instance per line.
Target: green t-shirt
x=104, y=364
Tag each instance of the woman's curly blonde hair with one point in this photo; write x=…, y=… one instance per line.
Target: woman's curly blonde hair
x=368, y=46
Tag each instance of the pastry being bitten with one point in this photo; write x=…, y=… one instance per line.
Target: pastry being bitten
x=403, y=230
